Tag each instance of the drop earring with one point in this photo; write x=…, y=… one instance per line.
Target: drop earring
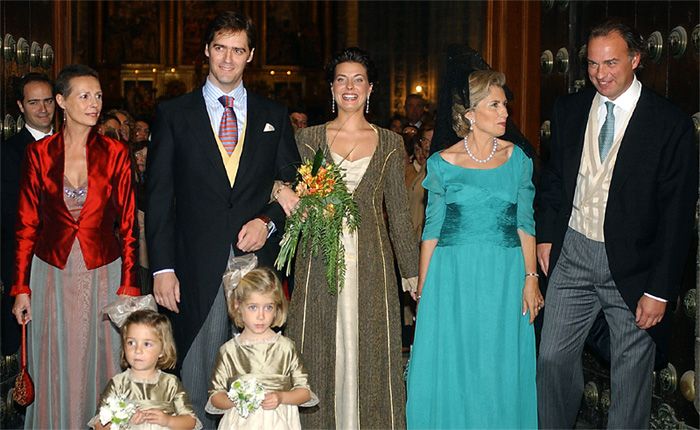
x=367, y=105
x=332, y=100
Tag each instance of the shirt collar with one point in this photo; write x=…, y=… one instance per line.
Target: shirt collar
x=212, y=92
x=37, y=134
x=627, y=100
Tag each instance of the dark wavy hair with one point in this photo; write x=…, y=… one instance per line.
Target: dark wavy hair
x=233, y=22
x=62, y=85
x=352, y=55
x=635, y=41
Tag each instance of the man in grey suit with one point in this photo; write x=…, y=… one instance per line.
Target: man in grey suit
x=614, y=221
x=215, y=154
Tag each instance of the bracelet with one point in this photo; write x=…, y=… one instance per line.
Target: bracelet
x=534, y=274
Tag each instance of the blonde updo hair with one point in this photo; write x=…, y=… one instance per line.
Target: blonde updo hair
x=160, y=324
x=261, y=280
x=480, y=83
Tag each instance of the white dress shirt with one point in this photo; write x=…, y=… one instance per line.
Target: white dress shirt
x=37, y=134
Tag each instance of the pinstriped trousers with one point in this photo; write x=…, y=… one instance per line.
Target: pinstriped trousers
x=199, y=361
x=579, y=287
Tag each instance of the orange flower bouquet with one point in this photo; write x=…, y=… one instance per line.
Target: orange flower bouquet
x=325, y=205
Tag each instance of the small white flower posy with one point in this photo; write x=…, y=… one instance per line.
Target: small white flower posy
x=117, y=412
x=247, y=395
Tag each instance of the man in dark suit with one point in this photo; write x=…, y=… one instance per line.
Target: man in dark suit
x=614, y=221
x=34, y=95
x=214, y=156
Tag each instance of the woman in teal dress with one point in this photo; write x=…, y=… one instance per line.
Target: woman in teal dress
x=473, y=358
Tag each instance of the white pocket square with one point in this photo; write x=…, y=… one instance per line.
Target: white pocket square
x=268, y=127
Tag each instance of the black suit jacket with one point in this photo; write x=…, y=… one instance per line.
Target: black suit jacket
x=11, y=156
x=649, y=214
x=193, y=215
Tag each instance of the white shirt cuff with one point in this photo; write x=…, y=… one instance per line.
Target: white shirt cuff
x=656, y=298
x=163, y=271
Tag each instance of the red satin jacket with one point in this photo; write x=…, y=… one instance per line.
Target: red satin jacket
x=46, y=228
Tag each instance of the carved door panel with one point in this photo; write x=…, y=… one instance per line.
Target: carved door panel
x=26, y=39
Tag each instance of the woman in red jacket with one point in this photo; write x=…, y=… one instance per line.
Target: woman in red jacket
x=76, y=251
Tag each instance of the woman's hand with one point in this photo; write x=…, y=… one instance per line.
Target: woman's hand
x=532, y=298
x=415, y=295
x=272, y=400
x=22, y=309
x=287, y=198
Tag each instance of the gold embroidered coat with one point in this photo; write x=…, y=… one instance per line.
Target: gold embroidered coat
x=312, y=316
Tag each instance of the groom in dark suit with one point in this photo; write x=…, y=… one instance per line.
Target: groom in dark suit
x=214, y=157
x=614, y=222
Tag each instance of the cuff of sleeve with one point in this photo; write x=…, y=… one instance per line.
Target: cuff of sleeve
x=656, y=298
x=213, y=409
x=129, y=290
x=158, y=272
x=410, y=285
x=313, y=401
x=20, y=289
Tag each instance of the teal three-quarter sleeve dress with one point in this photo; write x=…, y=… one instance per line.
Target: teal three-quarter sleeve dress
x=473, y=358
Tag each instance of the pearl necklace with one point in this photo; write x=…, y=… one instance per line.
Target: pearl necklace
x=485, y=160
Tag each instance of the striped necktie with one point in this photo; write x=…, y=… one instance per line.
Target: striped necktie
x=607, y=132
x=228, y=129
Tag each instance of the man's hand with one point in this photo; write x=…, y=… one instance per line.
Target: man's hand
x=166, y=290
x=252, y=235
x=649, y=312
x=543, y=250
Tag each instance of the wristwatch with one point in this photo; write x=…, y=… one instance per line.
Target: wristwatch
x=268, y=223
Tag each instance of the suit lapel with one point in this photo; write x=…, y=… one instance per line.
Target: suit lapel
x=574, y=151
x=255, y=124
x=203, y=136
x=630, y=152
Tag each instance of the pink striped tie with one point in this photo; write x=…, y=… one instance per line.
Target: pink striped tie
x=228, y=129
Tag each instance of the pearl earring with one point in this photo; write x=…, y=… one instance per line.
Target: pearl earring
x=367, y=105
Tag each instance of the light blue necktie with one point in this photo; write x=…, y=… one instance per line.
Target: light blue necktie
x=607, y=132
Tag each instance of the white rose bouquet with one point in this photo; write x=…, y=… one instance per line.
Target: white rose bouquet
x=117, y=411
x=247, y=395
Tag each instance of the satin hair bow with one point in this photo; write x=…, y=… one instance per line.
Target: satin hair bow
x=236, y=269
